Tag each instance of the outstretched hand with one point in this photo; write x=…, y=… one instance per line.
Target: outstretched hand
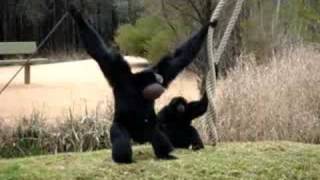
x=213, y=23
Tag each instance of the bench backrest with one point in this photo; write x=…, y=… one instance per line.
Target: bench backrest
x=11, y=48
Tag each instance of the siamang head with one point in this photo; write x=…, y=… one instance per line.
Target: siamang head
x=151, y=84
x=178, y=105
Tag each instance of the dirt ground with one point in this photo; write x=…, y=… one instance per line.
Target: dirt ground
x=55, y=88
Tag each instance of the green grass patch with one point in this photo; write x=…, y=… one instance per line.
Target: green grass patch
x=263, y=160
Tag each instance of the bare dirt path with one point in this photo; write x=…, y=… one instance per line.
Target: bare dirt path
x=57, y=87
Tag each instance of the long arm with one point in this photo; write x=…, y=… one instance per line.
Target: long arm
x=112, y=64
x=171, y=65
x=197, y=108
x=164, y=115
x=196, y=141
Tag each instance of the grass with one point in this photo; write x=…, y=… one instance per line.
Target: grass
x=76, y=133
x=262, y=160
x=278, y=100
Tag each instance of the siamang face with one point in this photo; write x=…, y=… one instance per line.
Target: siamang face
x=151, y=84
x=179, y=104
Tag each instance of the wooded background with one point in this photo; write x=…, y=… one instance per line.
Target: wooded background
x=264, y=26
x=26, y=20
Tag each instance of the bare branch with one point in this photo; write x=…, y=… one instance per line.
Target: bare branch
x=182, y=12
x=197, y=11
x=165, y=15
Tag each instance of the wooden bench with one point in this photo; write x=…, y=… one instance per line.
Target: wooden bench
x=19, y=48
x=24, y=48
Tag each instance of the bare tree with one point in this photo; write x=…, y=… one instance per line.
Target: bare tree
x=199, y=12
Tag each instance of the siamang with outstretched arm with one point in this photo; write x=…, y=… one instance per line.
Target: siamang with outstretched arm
x=176, y=119
x=135, y=93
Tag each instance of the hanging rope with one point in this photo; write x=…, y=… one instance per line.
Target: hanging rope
x=214, y=58
x=32, y=55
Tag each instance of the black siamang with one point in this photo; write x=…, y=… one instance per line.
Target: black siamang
x=135, y=93
x=176, y=119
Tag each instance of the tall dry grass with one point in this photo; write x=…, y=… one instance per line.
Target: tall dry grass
x=279, y=100
x=35, y=135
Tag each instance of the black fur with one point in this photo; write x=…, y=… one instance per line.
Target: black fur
x=134, y=116
x=176, y=119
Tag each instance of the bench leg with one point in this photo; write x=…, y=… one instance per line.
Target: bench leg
x=27, y=74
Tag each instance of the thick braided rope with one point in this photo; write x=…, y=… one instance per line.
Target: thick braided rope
x=215, y=58
x=210, y=117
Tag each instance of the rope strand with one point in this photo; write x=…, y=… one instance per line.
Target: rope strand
x=214, y=58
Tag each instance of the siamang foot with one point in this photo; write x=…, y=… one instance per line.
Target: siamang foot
x=167, y=157
x=123, y=161
x=197, y=147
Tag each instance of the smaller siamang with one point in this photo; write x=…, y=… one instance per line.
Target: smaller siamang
x=176, y=118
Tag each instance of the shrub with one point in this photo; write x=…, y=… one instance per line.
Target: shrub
x=132, y=38
x=150, y=37
x=159, y=45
